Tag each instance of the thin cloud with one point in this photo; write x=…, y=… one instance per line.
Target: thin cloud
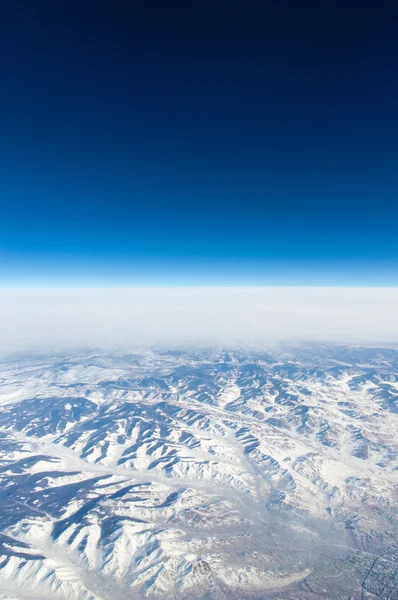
x=46, y=319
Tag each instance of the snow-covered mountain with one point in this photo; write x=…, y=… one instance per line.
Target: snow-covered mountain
x=213, y=473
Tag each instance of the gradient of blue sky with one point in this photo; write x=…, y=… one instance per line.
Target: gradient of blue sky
x=234, y=143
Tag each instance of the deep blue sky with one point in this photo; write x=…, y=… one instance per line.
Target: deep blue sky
x=228, y=142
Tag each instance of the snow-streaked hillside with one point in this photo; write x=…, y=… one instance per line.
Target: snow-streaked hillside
x=199, y=474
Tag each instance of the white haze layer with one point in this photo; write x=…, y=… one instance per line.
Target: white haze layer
x=56, y=319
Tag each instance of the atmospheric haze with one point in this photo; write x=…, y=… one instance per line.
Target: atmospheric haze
x=45, y=319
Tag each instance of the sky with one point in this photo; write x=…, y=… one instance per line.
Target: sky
x=173, y=144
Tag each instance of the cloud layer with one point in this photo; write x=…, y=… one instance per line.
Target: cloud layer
x=45, y=319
